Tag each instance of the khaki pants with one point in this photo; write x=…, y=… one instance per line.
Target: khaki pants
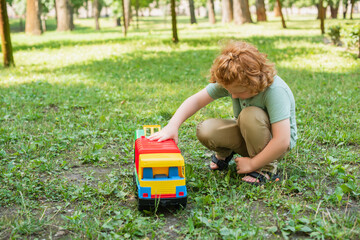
x=247, y=136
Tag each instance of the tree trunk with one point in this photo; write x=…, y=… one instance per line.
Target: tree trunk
x=21, y=24
x=241, y=12
x=71, y=11
x=245, y=11
x=63, y=15
x=33, y=22
x=237, y=14
x=192, y=12
x=227, y=12
x=277, y=10
x=211, y=11
x=334, y=11
x=5, y=36
x=175, y=38
x=87, y=8
x=43, y=23
x=321, y=15
x=56, y=15
x=117, y=22
x=96, y=14
x=137, y=13
x=352, y=9
x=260, y=11
x=127, y=5
x=323, y=10
x=345, y=8
x=281, y=14
x=125, y=26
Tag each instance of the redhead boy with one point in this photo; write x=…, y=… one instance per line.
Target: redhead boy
x=264, y=129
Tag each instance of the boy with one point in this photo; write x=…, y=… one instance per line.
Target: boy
x=265, y=128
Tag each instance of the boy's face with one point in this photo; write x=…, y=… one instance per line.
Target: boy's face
x=238, y=91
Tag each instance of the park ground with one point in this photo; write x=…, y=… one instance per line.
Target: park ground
x=69, y=109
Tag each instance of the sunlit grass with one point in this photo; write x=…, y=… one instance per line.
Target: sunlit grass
x=69, y=108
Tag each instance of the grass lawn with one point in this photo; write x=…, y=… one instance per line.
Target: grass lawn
x=69, y=109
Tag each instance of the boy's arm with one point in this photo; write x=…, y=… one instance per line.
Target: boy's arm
x=278, y=145
x=188, y=108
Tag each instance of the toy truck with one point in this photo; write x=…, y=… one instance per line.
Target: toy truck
x=159, y=171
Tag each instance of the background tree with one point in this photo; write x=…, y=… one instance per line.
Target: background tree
x=192, y=12
x=276, y=9
x=260, y=11
x=245, y=10
x=321, y=9
x=288, y=4
x=137, y=6
x=211, y=11
x=345, y=7
x=144, y=4
x=33, y=22
x=242, y=12
x=19, y=7
x=322, y=16
x=46, y=7
x=127, y=12
x=63, y=15
x=175, y=38
x=226, y=11
x=73, y=7
x=334, y=8
x=77, y=4
x=6, y=46
x=96, y=14
x=116, y=8
x=352, y=8
x=125, y=24
x=281, y=14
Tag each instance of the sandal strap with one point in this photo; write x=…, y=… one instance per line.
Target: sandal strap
x=272, y=176
x=220, y=163
x=228, y=158
x=258, y=176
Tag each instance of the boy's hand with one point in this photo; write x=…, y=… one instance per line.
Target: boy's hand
x=243, y=165
x=165, y=134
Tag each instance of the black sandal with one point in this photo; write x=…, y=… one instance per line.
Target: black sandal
x=222, y=164
x=262, y=179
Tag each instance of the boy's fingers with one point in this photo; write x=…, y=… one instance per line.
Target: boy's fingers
x=162, y=139
x=153, y=137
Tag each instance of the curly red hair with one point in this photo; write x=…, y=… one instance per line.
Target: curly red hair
x=242, y=63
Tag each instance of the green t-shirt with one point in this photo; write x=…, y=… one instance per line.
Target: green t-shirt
x=277, y=100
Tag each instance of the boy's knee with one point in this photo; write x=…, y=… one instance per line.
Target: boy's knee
x=205, y=129
x=253, y=117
